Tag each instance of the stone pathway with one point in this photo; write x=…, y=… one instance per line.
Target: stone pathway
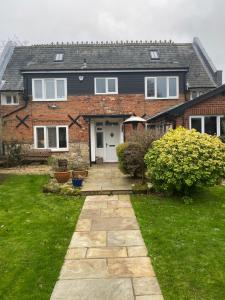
x=107, y=258
x=106, y=178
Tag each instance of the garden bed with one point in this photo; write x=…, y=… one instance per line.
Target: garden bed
x=67, y=188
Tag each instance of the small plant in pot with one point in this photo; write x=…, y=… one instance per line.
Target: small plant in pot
x=61, y=173
x=79, y=169
x=77, y=181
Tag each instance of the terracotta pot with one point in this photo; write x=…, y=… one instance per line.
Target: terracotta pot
x=81, y=173
x=62, y=176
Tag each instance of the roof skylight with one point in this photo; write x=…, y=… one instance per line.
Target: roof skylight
x=59, y=57
x=154, y=54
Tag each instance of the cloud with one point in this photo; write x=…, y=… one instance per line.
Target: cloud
x=72, y=20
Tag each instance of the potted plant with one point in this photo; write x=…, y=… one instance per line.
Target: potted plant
x=77, y=181
x=61, y=173
x=79, y=169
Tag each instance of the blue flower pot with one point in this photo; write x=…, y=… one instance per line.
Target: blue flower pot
x=77, y=182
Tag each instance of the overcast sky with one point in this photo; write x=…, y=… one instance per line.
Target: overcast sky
x=38, y=21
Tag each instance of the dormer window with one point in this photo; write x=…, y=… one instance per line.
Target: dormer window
x=9, y=99
x=59, y=57
x=154, y=54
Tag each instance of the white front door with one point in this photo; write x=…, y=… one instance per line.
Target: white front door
x=112, y=139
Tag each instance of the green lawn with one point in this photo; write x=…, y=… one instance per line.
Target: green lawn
x=35, y=230
x=186, y=243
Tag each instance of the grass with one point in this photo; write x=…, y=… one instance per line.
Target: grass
x=35, y=230
x=186, y=243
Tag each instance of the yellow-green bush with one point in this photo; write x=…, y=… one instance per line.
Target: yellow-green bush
x=184, y=159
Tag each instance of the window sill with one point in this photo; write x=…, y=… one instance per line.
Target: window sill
x=53, y=150
x=49, y=100
x=12, y=104
x=106, y=93
x=170, y=98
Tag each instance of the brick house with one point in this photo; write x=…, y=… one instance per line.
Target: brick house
x=73, y=98
x=205, y=113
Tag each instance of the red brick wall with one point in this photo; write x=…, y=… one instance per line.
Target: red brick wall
x=213, y=106
x=41, y=114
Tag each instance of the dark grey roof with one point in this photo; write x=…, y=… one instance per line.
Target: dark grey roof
x=179, y=109
x=115, y=56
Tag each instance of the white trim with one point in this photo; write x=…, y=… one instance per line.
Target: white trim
x=4, y=102
x=57, y=149
x=103, y=71
x=93, y=130
x=218, y=117
x=44, y=89
x=92, y=140
x=106, y=85
x=167, y=87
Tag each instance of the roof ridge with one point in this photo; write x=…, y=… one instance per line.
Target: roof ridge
x=105, y=43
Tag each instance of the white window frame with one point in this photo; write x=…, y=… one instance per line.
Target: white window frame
x=3, y=99
x=106, y=85
x=198, y=94
x=218, y=118
x=44, y=89
x=167, y=87
x=57, y=149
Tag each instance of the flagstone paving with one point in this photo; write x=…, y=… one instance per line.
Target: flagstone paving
x=107, y=257
x=106, y=178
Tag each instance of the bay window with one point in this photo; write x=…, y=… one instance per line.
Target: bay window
x=213, y=125
x=49, y=89
x=51, y=137
x=161, y=87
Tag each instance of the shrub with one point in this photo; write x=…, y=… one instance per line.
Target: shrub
x=145, y=138
x=184, y=159
x=120, y=153
x=14, y=154
x=131, y=154
x=222, y=138
x=133, y=160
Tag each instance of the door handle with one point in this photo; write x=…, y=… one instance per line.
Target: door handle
x=106, y=144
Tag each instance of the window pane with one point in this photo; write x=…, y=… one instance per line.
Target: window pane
x=222, y=126
x=100, y=85
x=154, y=54
x=210, y=125
x=62, y=137
x=60, y=89
x=51, y=132
x=99, y=136
x=50, y=88
x=111, y=85
x=40, y=137
x=38, y=89
x=150, y=87
x=196, y=123
x=161, y=87
x=8, y=100
x=194, y=94
x=15, y=99
x=172, y=87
